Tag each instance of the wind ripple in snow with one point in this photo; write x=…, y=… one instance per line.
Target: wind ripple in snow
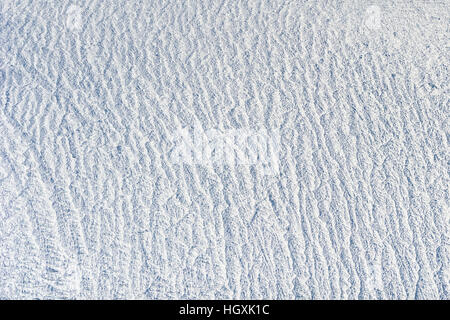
x=92, y=95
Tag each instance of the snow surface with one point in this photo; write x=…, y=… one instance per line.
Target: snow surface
x=347, y=197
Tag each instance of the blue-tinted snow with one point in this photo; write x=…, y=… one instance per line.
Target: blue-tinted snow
x=353, y=204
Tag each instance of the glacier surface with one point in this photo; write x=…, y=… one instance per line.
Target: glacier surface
x=105, y=194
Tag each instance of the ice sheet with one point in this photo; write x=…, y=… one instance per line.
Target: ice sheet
x=253, y=149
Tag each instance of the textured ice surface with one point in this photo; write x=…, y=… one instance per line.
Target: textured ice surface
x=94, y=94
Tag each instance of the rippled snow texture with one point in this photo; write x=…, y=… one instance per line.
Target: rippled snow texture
x=92, y=92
